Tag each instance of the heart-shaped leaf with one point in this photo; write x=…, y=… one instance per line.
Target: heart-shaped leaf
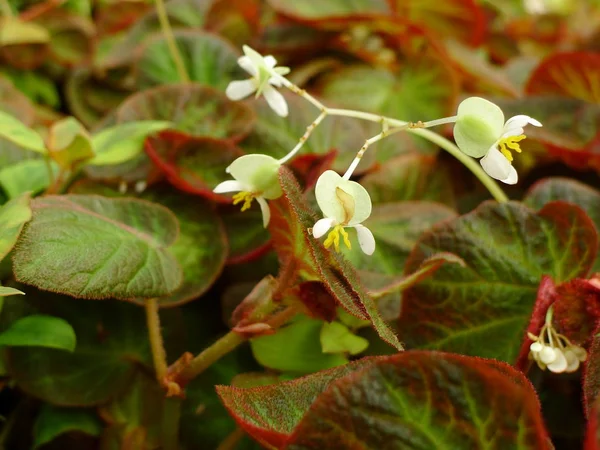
x=193, y=109
x=39, y=331
x=29, y=175
x=483, y=309
x=118, y=247
x=425, y=400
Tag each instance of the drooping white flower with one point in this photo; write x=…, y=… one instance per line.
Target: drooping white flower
x=255, y=178
x=264, y=76
x=480, y=132
x=555, y=352
x=345, y=204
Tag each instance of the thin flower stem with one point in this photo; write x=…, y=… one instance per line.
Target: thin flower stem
x=226, y=344
x=304, y=137
x=467, y=161
x=170, y=423
x=159, y=355
x=168, y=33
x=385, y=133
x=437, y=139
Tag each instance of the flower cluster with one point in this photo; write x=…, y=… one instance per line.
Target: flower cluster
x=554, y=351
x=480, y=132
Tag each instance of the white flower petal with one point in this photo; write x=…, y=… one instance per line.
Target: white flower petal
x=237, y=90
x=275, y=100
x=536, y=347
x=327, y=197
x=548, y=354
x=255, y=57
x=270, y=61
x=266, y=211
x=572, y=360
x=515, y=131
x=366, y=240
x=512, y=177
x=520, y=121
x=559, y=364
x=275, y=82
x=258, y=172
x=495, y=164
x=580, y=352
x=246, y=64
x=479, y=124
x=322, y=226
x=229, y=186
x=362, y=201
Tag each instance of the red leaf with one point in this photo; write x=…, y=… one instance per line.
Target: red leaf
x=577, y=309
x=546, y=295
x=573, y=74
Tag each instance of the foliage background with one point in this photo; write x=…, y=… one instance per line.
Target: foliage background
x=108, y=63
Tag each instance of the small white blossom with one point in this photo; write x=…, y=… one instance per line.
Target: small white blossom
x=480, y=132
x=555, y=352
x=255, y=178
x=264, y=75
x=345, y=204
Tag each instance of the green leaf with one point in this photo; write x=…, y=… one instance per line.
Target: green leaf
x=29, y=175
x=113, y=248
x=337, y=338
x=483, y=308
x=111, y=347
x=550, y=189
x=15, y=131
x=423, y=90
x=14, y=31
x=121, y=143
x=208, y=59
x=193, y=109
x=53, y=421
x=201, y=247
x=13, y=215
x=411, y=176
x=69, y=143
x=40, y=331
x=306, y=9
x=425, y=400
x=259, y=410
x=295, y=348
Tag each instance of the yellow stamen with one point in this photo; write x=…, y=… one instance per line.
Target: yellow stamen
x=510, y=143
x=245, y=197
x=334, y=238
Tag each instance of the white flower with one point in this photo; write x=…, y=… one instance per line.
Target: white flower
x=344, y=204
x=480, y=131
x=255, y=177
x=264, y=76
x=555, y=352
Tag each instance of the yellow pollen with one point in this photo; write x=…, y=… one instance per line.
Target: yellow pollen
x=245, y=197
x=334, y=238
x=510, y=143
